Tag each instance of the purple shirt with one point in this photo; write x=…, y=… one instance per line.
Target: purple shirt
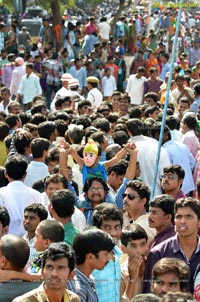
x=152, y=86
x=170, y=248
x=164, y=235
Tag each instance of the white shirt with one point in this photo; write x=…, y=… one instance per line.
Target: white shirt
x=16, y=196
x=95, y=97
x=35, y=171
x=29, y=87
x=108, y=86
x=135, y=89
x=104, y=30
x=191, y=141
x=147, y=155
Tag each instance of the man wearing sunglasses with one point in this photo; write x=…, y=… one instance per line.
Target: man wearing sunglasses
x=136, y=204
x=171, y=181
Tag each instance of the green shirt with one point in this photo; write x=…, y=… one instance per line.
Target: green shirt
x=70, y=233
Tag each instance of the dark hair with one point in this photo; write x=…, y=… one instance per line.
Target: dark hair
x=106, y=211
x=151, y=95
x=135, y=126
x=38, y=209
x=76, y=134
x=190, y=121
x=172, y=122
x=16, y=166
x=21, y=142
x=91, y=241
x=37, y=108
x=175, y=266
x=52, y=230
x=83, y=103
x=90, y=181
x=4, y=130
x=63, y=202
x=4, y=217
x=38, y=146
x=119, y=168
x=175, y=169
x=56, y=178
x=82, y=120
x=62, y=100
x=16, y=250
x=60, y=250
x=45, y=129
x=142, y=190
x=165, y=203
x=189, y=202
x=98, y=137
x=120, y=137
x=12, y=119
x=102, y=124
x=38, y=118
x=133, y=232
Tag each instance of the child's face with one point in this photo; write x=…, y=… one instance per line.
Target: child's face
x=89, y=159
x=137, y=247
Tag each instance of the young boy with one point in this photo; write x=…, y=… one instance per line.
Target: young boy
x=134, y=241
x=108, y=218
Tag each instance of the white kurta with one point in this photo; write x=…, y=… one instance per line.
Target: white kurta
x=29, y=87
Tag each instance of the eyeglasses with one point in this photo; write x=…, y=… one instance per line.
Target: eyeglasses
x=170, y=176
x=130, y=196
x=93, y=189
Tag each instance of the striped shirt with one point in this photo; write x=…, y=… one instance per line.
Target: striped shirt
x=84, y=287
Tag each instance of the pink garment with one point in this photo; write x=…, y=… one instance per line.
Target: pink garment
x=16, y=79
x=7, y=71
x=90, y=28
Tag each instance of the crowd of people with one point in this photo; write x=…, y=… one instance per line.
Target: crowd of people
x=79, y=136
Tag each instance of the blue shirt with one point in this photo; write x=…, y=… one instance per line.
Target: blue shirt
x=107, y=281
x=91, y=172
x=80, y=75
x=179, y=154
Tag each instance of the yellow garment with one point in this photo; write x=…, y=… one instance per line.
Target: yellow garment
x=91, y=147
x=3, y=153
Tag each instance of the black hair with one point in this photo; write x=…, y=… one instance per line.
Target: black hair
x=45, y=129
x=190, y=121
x=4, y=217
x=102, y=124
x=133, y=232
x=120, y=137
x=38, y=118
x=63, y=202
x=38, y=209
x=91, y=241
x=38, y=146
x=90, y=181
x=165, y=203
x=106, y=211
x=37, y=108
x=119, y=168
x=4, y=130
x=142, y=189
x=16, y=250
x=60, y=250
x=16, y=166
x=188, y=202
x=135, y=126
x=56, y=178
x=175, y=169
x=12, y=119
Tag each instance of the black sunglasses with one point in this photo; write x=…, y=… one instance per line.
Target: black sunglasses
x=130, y=196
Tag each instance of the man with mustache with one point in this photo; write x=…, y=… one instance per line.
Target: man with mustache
x=57, y=269
x=161, y=217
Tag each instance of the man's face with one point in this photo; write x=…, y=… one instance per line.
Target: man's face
x=132, y=201
x=182, y=107
x=112, y=227
x=136, y=248
x=123, y=105
x=96, y=192
x=101, y=260
x=154, y=115
x=115, y=180
x=149, y=101
x=40, y=244
x=170, y=182
x=53, y=187
x=5, y=96
x=56, y=274
x=51, y=165
x=83, y=110
x=168, y=282
x=157, y=218
x=180, y=83
x=31, y=220
x=15, y=109
x=186, y=222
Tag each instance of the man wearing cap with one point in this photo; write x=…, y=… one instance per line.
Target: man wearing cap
x=64, y=91
x=94, y=95
x=17, y=75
